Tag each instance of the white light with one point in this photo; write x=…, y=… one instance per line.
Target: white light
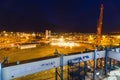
x=64, y=44
x=97, y=73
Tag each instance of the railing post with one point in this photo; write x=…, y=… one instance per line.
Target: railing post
x=119, y=53
x=94, y=72
x=79, y=68
x=101, y=63
x=0, y=71
x=56, y=74
x=61, y=67
x=110, y=63
x=56, y=70
x=68, y=70
x=119, y=47
x=106, y=56
x=114, y=60
x=85, y=66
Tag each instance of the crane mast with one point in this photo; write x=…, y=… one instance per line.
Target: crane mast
x=99, y=26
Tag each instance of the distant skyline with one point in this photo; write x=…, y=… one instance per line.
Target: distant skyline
x=58, y=15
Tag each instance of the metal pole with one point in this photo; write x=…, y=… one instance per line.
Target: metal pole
x=114, y=60
x=110, y=64
x=79, y=69
x=119, y=53
x=61, y=67
x=56, y=70
x=68, y=70
x=72, y=73
x=56, y=74
x=113, y=63
x=101, y=63
x=106, y=55
x=119, y=47
x=94, y=72
x=85, y=69
x=0, y=71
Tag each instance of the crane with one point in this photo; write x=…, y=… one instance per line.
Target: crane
x=99, y=26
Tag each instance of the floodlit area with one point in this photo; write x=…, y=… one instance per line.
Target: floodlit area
x=62, y=43
x=16, y=54
x=46, y=47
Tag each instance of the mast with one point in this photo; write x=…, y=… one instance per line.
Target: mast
x=99, y=26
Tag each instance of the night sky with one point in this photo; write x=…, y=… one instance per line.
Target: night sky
x=58, y=15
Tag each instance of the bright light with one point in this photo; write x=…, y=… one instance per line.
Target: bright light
x=97, y=73
x=61, y=39
x=62, y=43
x=6, y=34
x=118, y=37
x=90, y=37
x=54, y=43
x=103, y=36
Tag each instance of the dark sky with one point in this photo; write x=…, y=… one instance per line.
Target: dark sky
x=58, y=15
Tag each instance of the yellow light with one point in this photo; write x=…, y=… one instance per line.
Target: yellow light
x=103, y=36
x=64, y=44
x=61, y=39
x=90, y=37
x=118, y=36
x=54, y=44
